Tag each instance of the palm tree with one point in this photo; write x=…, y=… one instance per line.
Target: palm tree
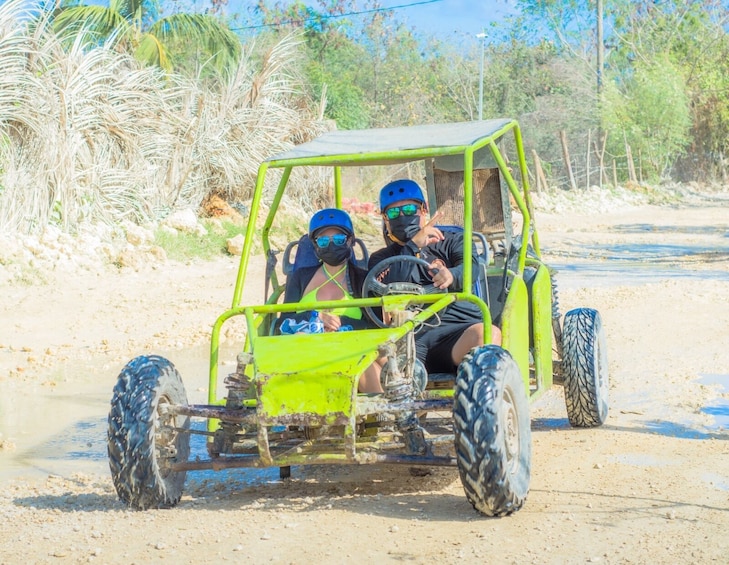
x=153, y=40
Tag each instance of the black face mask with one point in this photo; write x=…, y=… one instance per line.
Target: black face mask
x=404, y=227
x=334, y=255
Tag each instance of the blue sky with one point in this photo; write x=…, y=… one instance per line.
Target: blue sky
x=449, y=17
x=444, y=18
x=457, y=20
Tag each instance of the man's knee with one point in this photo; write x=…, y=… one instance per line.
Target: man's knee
x=495, y=335
x=470, y=338
x=473, y=336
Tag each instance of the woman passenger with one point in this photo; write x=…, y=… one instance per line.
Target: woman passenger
x=335, y=278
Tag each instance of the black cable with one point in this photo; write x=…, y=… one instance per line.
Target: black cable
x=329, y=17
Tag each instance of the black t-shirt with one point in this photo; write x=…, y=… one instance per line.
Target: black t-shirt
x=435, y=339
x=450, y=251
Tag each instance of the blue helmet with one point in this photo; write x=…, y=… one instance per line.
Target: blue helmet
x=402, y=189
x=331, y=218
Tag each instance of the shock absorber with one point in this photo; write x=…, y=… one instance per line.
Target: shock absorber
x=556, y=316
x=399, y=387
x=238, y=383
x=239, y=389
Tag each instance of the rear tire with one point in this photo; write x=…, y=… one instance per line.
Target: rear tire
x=143, y=439
x=585, y=368
x=492, y=431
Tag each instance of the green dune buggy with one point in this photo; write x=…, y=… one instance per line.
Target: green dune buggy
x=293, y=399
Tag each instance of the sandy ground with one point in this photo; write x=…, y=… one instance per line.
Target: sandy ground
x=651, y=486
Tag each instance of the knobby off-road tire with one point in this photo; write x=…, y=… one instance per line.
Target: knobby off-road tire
x=143, y=439
x=492, y=431
x=585, y=368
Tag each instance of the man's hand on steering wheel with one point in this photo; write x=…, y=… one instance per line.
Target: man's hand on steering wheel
x=442, y=277
x=373, y=286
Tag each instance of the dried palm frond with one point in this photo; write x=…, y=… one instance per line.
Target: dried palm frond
x=88, y=135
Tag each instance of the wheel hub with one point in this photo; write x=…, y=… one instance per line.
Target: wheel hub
x=511, y=430
x=165, y=435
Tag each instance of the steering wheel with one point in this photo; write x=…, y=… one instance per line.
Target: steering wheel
x=372, y=286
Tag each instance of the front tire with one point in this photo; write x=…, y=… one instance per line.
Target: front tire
x=143, y=438
x=492, y=431
x=585, y=368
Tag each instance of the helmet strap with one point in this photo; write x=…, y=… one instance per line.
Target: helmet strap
x=396, y=240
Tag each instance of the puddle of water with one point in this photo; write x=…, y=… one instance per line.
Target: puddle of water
x=719, y=482
x=675, y=429
x=246, y=476
x=656, y=252
x=574, y=275
x=643, y=460
x=719, y=408
x=550, y=424
x=60, y=427
x=715, y=379
x=53, y=429
x=720, y=411
x=694, y=230
x=57, y=430
x=640, y=263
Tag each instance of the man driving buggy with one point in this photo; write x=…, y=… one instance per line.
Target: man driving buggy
x=443, y=341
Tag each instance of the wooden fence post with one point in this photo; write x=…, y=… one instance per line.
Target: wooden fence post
x=541, y=179
x=640, y=166
x=587, y=160
x=566, y=154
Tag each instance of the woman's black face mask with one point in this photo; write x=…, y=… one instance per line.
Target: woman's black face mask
x=334, y=255
x=404, y=227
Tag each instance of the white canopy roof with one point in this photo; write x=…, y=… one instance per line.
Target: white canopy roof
x=391, y=144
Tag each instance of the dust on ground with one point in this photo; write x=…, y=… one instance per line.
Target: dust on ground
x=651, y=485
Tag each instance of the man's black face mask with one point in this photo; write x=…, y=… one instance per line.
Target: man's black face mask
x=404, y=227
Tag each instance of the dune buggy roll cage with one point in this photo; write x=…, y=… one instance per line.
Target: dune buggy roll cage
x=475, y=142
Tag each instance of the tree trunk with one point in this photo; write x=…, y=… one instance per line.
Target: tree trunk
x=600, y=153
x=631, y=164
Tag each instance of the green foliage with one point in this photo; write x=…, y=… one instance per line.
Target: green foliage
x=518, y=74
x=155, y=41
x=651, y=113
x=181, y=246
x=333, y=68
x=654, y=52
x=376, y=73
x=709, y=87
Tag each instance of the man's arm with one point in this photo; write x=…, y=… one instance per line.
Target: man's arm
x=449, y=252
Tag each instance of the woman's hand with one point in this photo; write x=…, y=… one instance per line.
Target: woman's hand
x=331, y=322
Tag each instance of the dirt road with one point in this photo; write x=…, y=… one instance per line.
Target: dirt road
x=651, y=486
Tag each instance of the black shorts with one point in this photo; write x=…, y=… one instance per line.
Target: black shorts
x=434, y=345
